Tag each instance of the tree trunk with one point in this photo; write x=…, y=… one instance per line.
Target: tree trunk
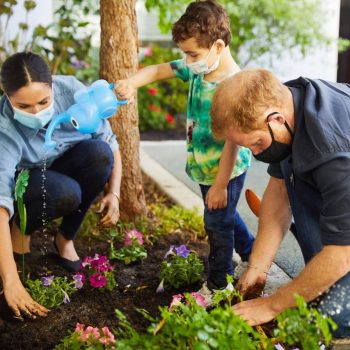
x=118, y=60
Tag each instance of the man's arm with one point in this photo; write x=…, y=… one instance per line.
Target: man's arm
x=327, y=267
x=275, y=218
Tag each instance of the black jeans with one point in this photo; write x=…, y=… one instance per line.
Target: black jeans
x=72, y=183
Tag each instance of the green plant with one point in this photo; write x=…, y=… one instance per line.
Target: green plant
x=160, y=103
x=176, y=217
x=20, y=188
x=133, y=249
x=65, y=43
x=304, y=326
x=51, y=291
x=183, y=268
x=262, y=26
x=227, y=294
x=88, y=338
x=190, y=326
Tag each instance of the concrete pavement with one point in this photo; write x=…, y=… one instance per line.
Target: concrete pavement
x=165, y=162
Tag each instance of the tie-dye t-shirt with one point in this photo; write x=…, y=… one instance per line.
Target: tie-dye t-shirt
x=203, y=151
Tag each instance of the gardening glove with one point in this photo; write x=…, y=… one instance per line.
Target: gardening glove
x=216, y=197
x=21, y=303
x=110, y=206
x=252, y=281
x=125, y=90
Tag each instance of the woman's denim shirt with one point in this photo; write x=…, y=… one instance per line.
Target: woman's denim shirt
x=23, y=148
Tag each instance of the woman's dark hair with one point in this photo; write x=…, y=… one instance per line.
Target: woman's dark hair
x=24, y=68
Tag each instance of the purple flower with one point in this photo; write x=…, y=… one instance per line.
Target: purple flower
x=79, y=280
x=182, y=251
x=101, y=263
x=47, y=280
x=97, y=280
x=170, y=251
x=160, y=288
x=66, y=299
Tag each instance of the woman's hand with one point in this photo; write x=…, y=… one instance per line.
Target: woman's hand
x=216, y=197
x=110, y=205
x=125, y=90
x=21, y=303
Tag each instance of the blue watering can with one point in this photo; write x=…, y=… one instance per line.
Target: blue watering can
x=93, y=104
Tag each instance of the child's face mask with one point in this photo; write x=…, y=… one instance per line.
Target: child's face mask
x=201, y=66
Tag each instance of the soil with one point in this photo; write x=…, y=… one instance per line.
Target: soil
x=136, y=289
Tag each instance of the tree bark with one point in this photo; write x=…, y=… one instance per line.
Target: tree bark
x=118, y=60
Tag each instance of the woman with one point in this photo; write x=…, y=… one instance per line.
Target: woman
x=77, y=169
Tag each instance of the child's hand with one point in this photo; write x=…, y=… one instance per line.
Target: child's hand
x=125, y=90
x=216, y=197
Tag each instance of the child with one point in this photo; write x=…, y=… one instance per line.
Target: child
x=203, y=34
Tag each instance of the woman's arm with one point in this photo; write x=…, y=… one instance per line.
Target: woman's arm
x=16, y=295
x=111, y=200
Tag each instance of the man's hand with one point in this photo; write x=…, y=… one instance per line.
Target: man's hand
x=125, y=90
x=252, y=281
x=256, y=311
x=110, y=205
x=216, y=197
x=21, y=303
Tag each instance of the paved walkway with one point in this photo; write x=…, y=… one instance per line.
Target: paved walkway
x=164, y=161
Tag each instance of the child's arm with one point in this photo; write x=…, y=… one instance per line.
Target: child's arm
x=217, y=195
x=127, y=88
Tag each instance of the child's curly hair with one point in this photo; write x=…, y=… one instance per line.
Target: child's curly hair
x=207, y=21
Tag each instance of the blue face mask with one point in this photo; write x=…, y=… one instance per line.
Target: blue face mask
x=37, y=120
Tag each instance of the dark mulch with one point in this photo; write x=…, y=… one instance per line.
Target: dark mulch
x=162, y=135
x=136, y=289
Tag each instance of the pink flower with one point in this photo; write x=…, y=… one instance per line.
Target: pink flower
x=79, y=328
x=108, y=337
x=199, y=299
x=90, y=332
x=152, y=91
x=169, y=118
x=86, y=262
x=131, y=236
x=176, y=301
x=101, y=263
x=97, y=280
x=148, y=52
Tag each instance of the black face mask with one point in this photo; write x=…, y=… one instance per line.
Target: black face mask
x=277, y=151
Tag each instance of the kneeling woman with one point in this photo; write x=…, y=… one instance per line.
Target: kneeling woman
x=77, y=169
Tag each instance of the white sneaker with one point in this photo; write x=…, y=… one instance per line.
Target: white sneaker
x=239, y=269
x=207, y=294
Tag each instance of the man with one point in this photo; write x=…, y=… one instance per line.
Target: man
x=302, y=128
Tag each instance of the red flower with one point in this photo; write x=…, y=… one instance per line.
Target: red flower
x=169, y=118
x=153, y=108
x=152, y=91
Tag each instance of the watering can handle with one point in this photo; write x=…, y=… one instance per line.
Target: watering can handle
x=123, y=102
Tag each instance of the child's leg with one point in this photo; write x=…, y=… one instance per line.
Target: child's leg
x=243, y=238
x=220, y=230
x=220, y=226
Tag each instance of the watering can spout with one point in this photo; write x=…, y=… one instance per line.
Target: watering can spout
x=91, y=106
x=61, y=118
